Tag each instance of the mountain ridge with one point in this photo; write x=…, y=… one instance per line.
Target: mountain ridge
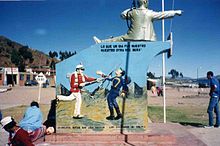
x=7, y=46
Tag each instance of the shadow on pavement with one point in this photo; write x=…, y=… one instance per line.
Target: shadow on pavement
x=192, y=124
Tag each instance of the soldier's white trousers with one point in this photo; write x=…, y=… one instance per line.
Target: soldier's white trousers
x=73, y=96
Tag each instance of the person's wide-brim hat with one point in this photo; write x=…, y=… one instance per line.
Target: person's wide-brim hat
x=5, y=121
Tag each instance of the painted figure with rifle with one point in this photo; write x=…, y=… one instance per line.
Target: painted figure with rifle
x=118, y=82
x=77, y=81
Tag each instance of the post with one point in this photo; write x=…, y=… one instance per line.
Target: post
x=197, y=73
x=124, y=98
x=40, y=79
x=164, y=69
x=12, y=75
x=38, y=99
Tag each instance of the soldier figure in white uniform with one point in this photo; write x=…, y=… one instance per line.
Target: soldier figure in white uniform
x=77, y=81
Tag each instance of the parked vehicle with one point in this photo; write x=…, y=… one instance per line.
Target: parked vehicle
x=46, y=84
x=203, y=85
x=30, y=83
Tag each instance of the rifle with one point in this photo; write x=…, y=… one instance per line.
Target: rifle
x=90, y=83
x=101, y=84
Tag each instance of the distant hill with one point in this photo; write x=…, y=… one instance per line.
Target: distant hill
x=6, y=48
x=205, y=78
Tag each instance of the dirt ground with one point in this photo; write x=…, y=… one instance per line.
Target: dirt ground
x=189, y=97
x=192, y=99
x=181, y=97
x=178, y=97
x=23, y=95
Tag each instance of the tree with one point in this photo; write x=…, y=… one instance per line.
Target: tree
x=26, y=56
x=53, y=54
x=47, y=62
x=50, y=54
x=174, y=73
x=53, y=65
x=65, y=55
x=25, y=53
x=21, y=57
x=150, y=75
x=15, y=57
x=181, y=75
x=61, y=55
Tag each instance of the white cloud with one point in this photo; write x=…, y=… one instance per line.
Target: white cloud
x=40, y=32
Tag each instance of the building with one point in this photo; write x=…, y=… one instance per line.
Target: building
x=11, y=75
x=1, y=76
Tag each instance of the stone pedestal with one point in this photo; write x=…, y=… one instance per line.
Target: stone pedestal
x=169, y=134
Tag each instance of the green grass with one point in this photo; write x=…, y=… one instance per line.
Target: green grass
x=17, y=112
x=194, y=116
x=186, y=115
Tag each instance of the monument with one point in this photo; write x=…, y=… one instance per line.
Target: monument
x=86, y=80
x=141, y=19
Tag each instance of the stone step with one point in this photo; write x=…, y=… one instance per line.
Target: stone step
x=110, y=139
x=158, y=134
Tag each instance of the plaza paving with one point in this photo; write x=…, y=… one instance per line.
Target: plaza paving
x=177, y=134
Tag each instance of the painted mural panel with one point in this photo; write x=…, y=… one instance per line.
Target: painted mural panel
x=102, y=89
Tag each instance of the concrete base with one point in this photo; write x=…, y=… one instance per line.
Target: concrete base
x=158, y=134
x=110, y=139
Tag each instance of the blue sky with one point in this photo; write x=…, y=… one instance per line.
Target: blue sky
x=55, y=25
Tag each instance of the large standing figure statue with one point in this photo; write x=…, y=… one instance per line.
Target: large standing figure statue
x=141, y=20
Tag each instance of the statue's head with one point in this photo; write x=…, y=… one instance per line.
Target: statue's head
x=143, y=2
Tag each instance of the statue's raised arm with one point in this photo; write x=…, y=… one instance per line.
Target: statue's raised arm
x=141, y=19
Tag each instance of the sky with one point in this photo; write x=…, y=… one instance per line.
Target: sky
x=69, y=25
